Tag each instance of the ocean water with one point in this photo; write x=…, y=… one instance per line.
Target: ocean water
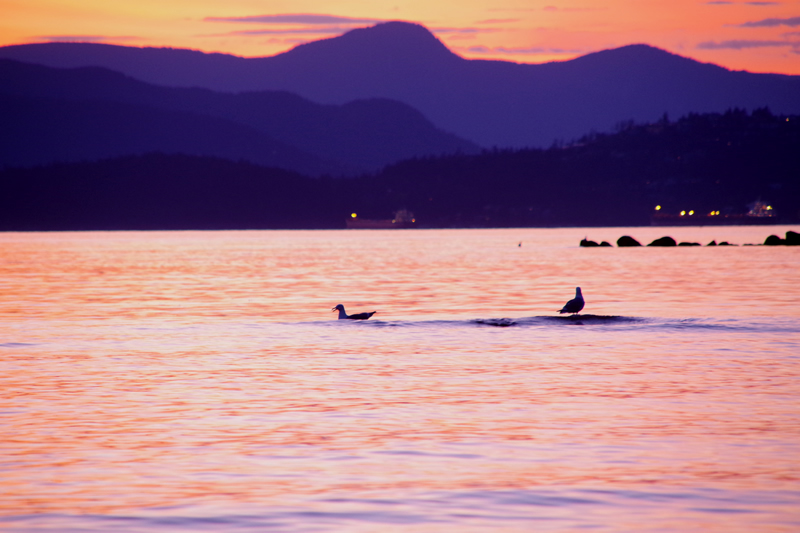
x=198, y=381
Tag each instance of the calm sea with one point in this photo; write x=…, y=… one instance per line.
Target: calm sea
x=198, y=381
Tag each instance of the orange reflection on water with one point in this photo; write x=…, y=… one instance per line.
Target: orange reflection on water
x=205, y=369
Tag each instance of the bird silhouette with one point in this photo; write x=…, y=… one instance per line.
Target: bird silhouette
x=575, y=305
x=358, y=316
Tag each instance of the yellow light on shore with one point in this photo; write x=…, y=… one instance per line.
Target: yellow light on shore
x=683, y=213
x=691, y=212
x=353, y=215
x=658, y=208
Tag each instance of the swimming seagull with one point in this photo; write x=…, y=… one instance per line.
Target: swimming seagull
x=575, y=305
x=357, y=316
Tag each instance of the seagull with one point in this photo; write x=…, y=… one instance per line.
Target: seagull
x=575, y=305
x=357, y=316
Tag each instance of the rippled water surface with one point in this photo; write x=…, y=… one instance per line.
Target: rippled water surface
x=198, y=381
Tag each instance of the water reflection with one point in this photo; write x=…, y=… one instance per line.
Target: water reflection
x=184, y=377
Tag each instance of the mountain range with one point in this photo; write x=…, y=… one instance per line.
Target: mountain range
x=490, y=103
x=89, y=113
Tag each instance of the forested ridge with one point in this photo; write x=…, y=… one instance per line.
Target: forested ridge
x=702, y=162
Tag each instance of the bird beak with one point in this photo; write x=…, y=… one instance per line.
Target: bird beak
x=333, y=309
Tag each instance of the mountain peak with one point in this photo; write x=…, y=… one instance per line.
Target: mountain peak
x=387, y=41
x=635, y=55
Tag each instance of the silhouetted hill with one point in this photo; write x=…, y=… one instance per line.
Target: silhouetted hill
x=269, y=128
x=493, y=103
x=158, y=191
x=719, y=162
x=37, y=131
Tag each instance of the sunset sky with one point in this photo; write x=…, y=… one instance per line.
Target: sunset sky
x=758, y=36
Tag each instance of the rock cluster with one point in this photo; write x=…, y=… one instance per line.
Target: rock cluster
x=792, y=239
x=589, y=244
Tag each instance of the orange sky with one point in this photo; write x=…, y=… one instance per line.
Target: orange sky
x=759, y=36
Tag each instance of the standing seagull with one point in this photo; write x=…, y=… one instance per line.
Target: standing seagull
x=573, y=306
x=358, y=316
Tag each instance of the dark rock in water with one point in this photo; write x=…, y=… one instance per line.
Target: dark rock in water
x=605, y=243
x=792, y=238
x=588, y=243
x=663, y=241
x=774, y=240
x=712, y=243
x=689, y=244
x=726, y=243
x=627, y=241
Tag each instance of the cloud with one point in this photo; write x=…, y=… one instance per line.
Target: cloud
x=572, y=9
x=86, y=38
x=302, y=24
x=511, y=9
x=497, y=21
x=314, y=30
x=719, y=3
x=743, y=44
x=297, y=18
x=314, y=24
x=462, y=30
x=771, y=23
x=538, y=50
x=521, y=51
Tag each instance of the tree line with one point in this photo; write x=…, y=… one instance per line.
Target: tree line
x=704, y=162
